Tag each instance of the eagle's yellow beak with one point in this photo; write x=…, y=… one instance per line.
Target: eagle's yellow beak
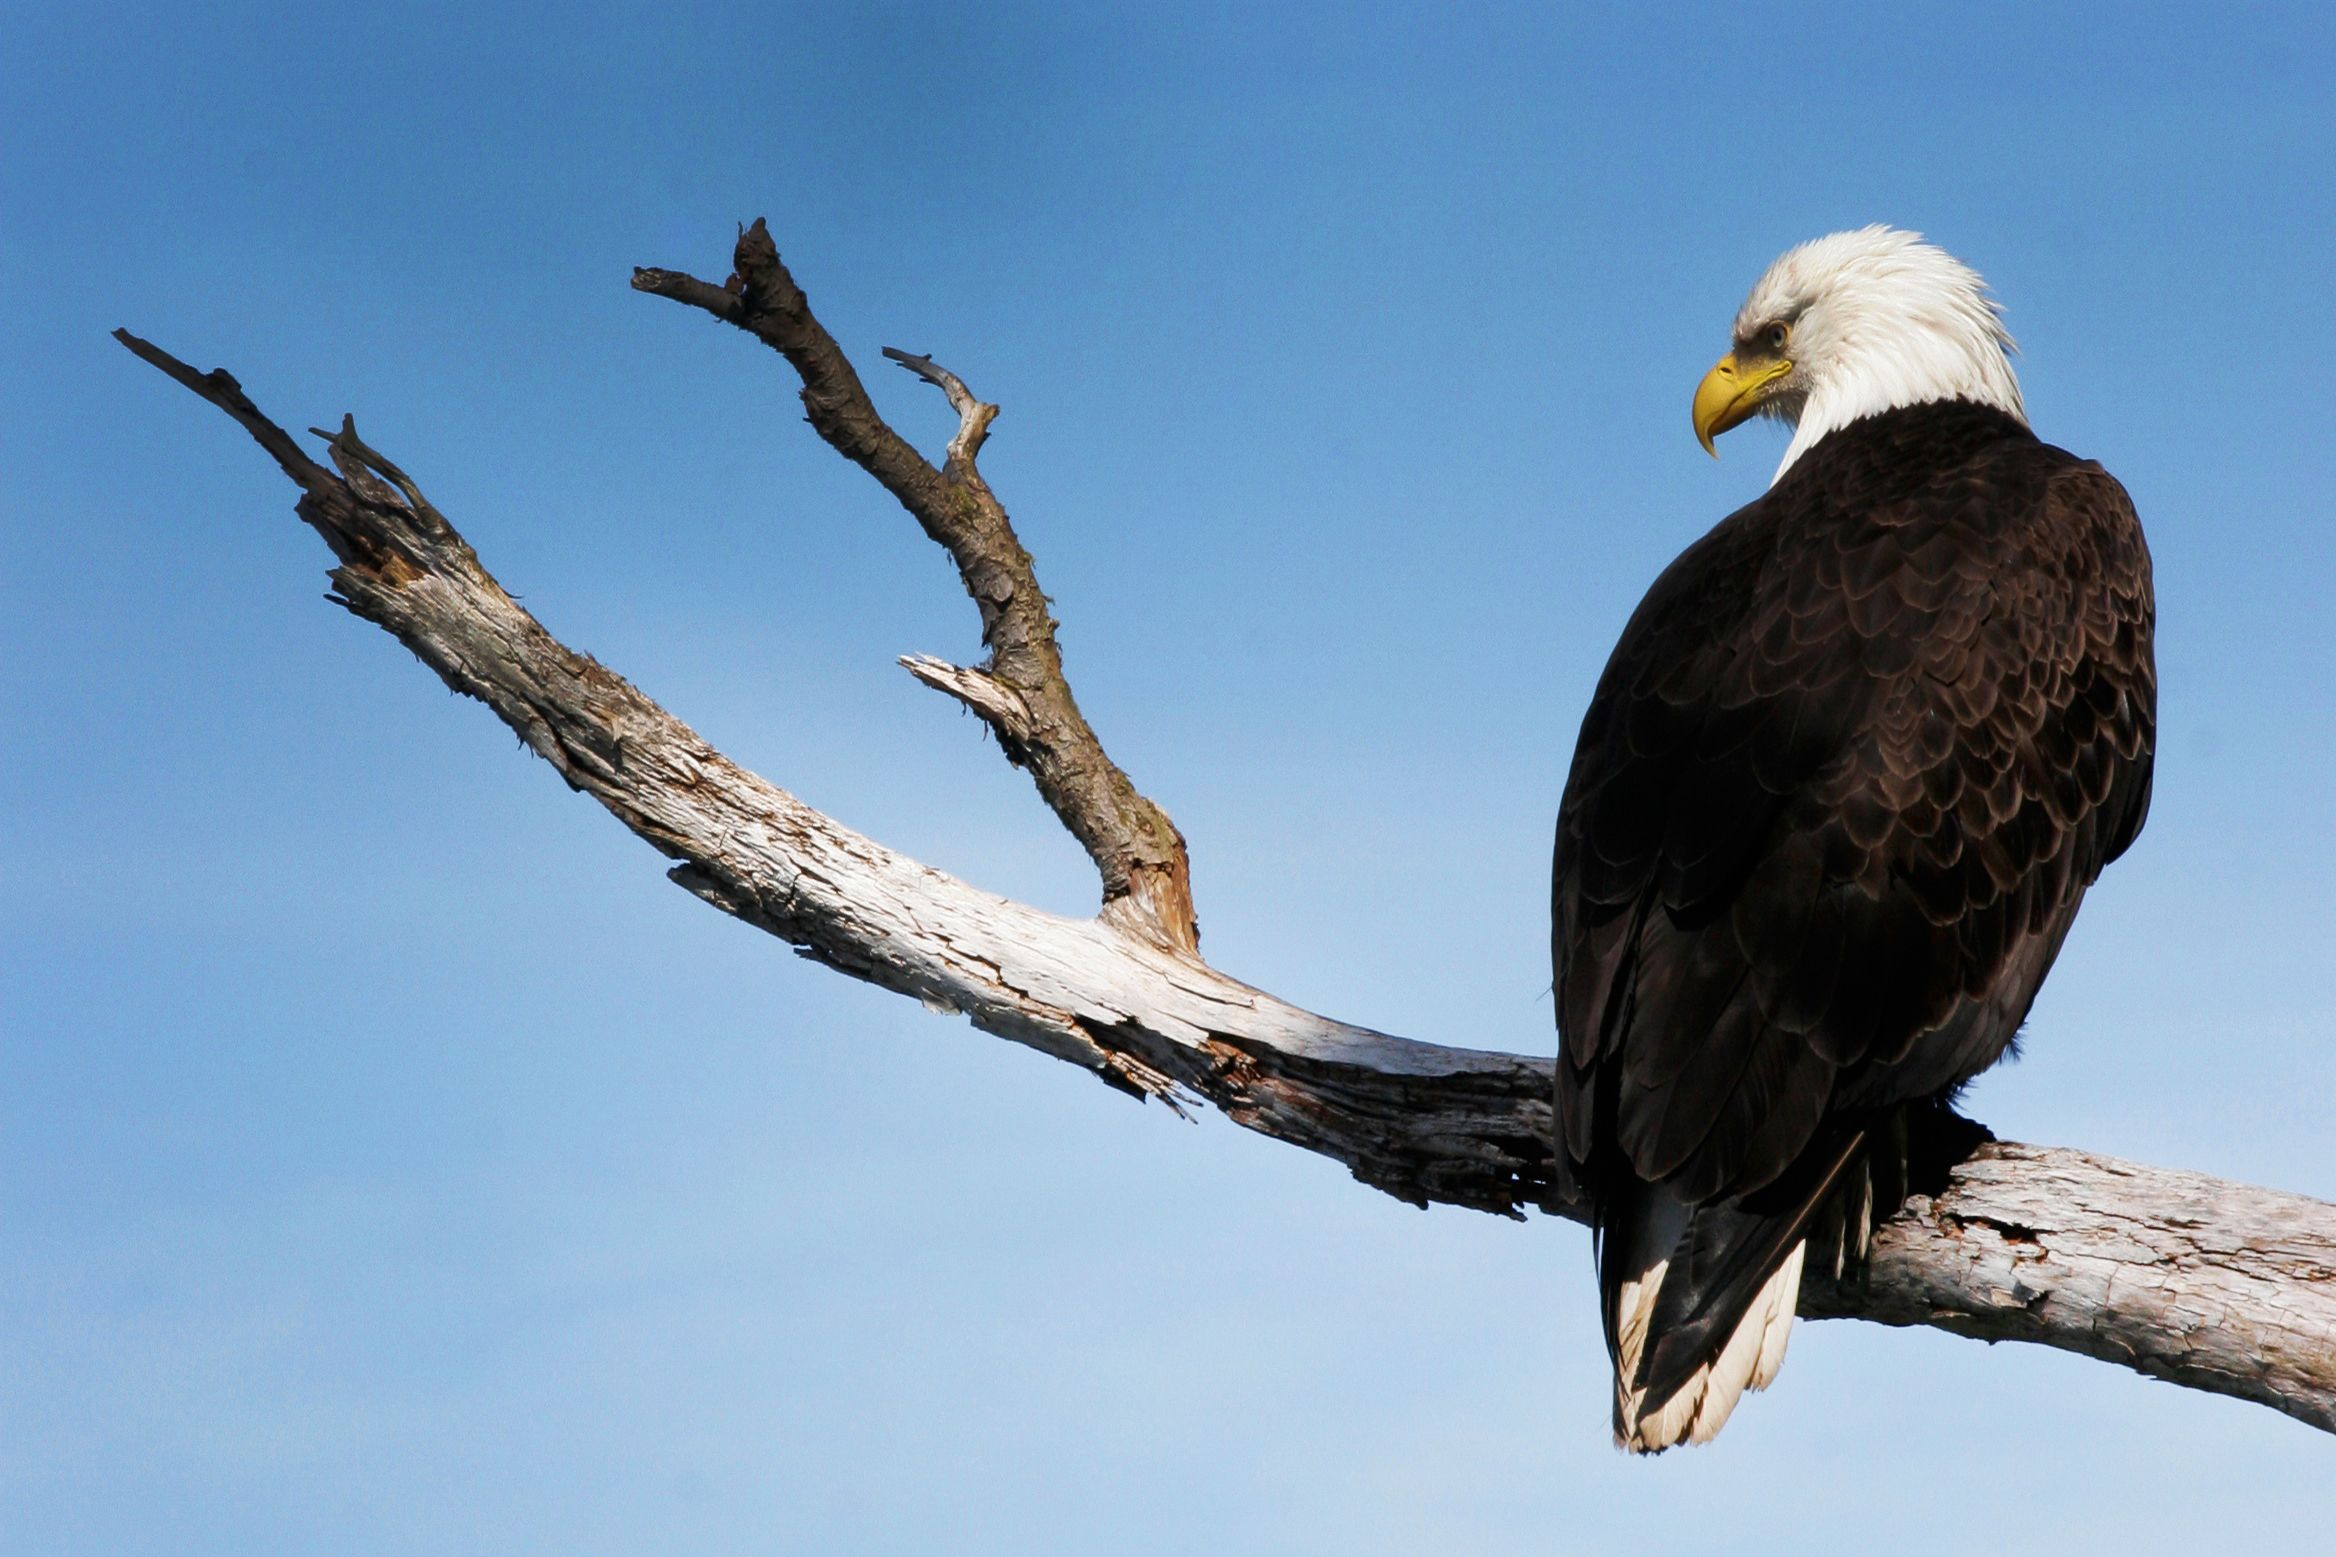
x=1730, y=393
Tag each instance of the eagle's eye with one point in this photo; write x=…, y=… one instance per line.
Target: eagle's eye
x=1776, y=337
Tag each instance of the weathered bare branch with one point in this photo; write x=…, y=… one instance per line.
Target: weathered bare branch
x=220, y=388
x=2213, y=1285
x=2209, y=1284
x=999, y=705
x=973, y=415
x=1146, y=871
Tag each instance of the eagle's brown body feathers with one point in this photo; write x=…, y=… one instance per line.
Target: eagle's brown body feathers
x=1840, y=791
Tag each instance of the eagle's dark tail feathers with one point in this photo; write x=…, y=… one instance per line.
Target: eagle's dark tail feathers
x=1698, y=1300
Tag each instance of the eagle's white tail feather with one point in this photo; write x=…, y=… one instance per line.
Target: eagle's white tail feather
x=1783, y=1299
x=1658, y=1234
x=1701, y=1406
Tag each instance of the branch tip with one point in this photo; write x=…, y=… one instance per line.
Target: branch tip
x=220, y=388
x=1003, y=709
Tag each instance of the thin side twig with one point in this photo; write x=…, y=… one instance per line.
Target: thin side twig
x=973, y=414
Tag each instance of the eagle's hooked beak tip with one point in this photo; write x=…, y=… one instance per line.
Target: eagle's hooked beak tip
x=1730, y=393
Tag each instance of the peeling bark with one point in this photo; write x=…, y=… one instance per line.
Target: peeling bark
x=2212, y=1285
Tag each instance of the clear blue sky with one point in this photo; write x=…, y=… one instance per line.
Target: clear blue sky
x=392, y=1161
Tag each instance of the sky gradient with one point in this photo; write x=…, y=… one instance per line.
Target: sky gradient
x=391, y=1160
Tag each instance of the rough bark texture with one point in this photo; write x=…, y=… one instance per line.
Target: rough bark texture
x=2212, y=1285
x=2215, y=1285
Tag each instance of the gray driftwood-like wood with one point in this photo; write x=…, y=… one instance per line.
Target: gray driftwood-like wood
x=2213, y=1285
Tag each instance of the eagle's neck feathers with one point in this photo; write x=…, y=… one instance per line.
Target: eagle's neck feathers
x=1880, y=320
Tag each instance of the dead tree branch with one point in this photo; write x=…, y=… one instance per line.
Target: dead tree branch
x=2213, y=1285
x=1147, y=876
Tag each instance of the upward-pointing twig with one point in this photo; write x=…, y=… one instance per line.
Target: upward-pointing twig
x=1141, y=857
x=973, y=415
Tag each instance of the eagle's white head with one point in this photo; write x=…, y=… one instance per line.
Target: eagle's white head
x=1855, y=324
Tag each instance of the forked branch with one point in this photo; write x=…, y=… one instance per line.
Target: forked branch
x=2213, y=1285
x=1020, y=693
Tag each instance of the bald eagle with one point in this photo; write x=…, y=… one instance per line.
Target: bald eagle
x=1843, y=784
